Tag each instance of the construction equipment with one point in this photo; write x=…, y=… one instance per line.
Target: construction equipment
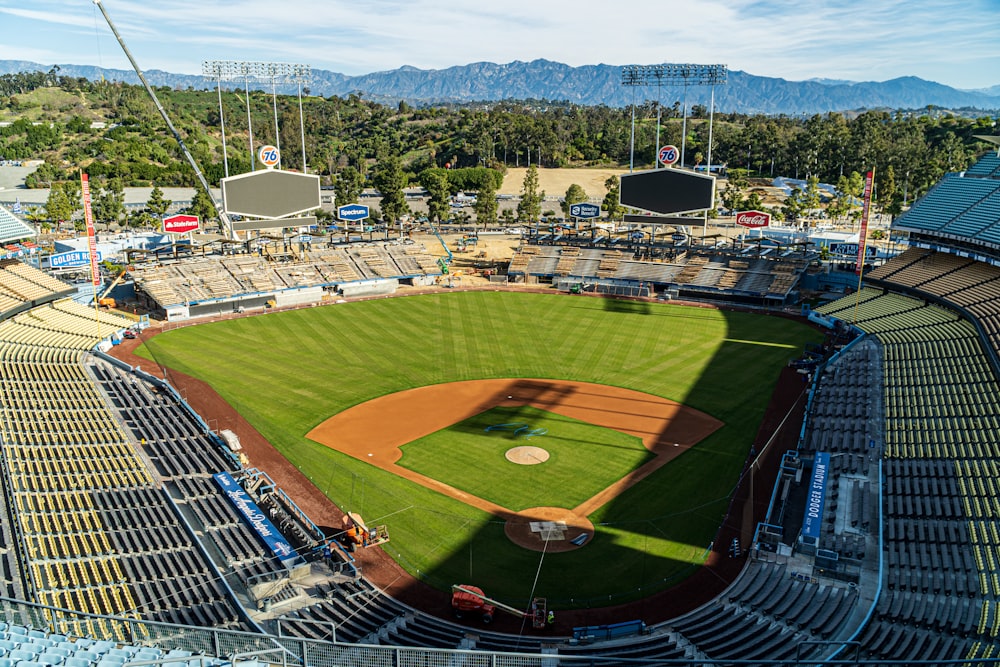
x=357, y=534
x=466, y=599
x=443, y=263
x=104, y=299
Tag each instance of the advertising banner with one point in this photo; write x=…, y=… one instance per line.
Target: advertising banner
x=254, y=516
x=812, y=522
x=88, y=216
x=863, y=236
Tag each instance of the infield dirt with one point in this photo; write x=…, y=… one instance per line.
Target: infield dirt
x=367, y=433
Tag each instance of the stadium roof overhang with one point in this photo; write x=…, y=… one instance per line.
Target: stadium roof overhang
x=13, y=228
x=990, y=139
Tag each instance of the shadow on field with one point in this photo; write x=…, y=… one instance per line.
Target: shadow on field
x=624, y=306
x=664, y=542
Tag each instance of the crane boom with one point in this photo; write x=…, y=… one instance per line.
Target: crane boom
x=499, y=605
x=173, y=130
x=111, y=286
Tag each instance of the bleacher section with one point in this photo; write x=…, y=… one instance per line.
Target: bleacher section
x=844, y=422
x=942, y=565
x=766, y=614
x=184, y=458
x=21, y=285
x=213, y=278
x=697, y=275
x=95, y=532
x=971, y=285
x=13, y=228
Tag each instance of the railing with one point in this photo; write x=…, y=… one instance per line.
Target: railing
x=238, y=647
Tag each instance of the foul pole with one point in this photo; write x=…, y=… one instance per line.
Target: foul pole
x=859, y=267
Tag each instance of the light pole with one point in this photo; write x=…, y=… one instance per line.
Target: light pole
x=285, y=73
x=705, y=75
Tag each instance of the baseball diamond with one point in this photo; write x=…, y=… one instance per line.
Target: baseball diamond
x=417, y=365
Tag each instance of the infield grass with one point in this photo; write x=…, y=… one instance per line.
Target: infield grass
x=470, y=455
x=287, y=372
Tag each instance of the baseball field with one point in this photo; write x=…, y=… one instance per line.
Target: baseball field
x=638, y=417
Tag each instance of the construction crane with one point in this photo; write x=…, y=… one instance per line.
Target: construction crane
x=227, y=224
x=104, y=299
x=437, y=233
x=466, y=599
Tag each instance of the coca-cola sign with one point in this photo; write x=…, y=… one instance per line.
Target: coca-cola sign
x=753, y=219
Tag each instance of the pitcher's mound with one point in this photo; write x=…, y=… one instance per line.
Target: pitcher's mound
x=527, y=455
x=549, y=529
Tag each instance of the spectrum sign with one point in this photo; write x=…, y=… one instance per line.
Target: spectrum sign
x=352, y=212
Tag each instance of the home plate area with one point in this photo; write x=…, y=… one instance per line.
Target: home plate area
x=549, y=529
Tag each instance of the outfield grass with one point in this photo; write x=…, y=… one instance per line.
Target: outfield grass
x=287, y=372
x=583, y=458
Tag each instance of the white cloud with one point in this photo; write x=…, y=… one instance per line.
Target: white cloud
x=948, y=41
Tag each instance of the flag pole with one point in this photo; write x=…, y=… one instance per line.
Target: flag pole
x=859, y=266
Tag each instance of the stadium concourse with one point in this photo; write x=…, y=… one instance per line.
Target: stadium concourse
x=124, y=531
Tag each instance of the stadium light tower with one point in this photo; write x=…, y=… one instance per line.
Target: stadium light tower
x=231, y=70
x=686, y=74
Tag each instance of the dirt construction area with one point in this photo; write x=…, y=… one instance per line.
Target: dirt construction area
x=666, y=429
x=555, y=182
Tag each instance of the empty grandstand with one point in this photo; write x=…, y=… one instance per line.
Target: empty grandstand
x=694, y=273
x=212, y=285
x=881, y=540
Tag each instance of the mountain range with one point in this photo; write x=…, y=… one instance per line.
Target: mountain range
x=588, y=85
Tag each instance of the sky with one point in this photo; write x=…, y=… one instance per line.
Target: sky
x=956, y=43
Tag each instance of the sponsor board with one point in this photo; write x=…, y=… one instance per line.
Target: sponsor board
x=269, y=156
x=88, y=216
x=668, y=155
x=254, y=516
x=816, y=497
x=859, y=264
x=851, y=250
x=584, y=210
x=71, y=259
x=753, y=219
x=352, y=212
x=179, y=224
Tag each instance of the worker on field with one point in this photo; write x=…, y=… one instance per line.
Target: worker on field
x=551, y=619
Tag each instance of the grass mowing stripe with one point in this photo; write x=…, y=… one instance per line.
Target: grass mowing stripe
x=324, y=360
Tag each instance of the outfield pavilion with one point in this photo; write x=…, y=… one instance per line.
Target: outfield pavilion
x=157, y=566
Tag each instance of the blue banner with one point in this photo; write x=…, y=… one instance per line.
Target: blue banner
x=812, y=522
x=71, y=259
x=851, y=249
x=352, y=212
x=253, y=515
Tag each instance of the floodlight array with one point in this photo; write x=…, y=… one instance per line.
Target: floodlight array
x=672, y=73
x=228, y=70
